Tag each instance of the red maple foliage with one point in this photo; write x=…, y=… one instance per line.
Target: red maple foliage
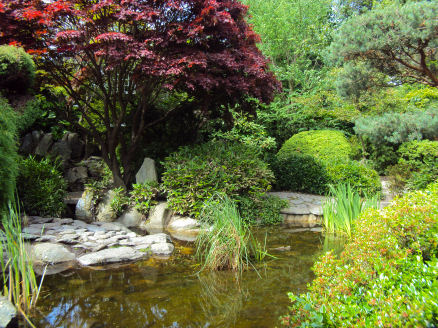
x=116, y=59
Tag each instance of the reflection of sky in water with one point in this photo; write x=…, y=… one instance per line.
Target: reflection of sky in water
x=168, y=294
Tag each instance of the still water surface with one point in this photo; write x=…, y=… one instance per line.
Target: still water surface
x=169, y=293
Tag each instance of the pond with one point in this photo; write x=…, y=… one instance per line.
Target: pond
x=169, y=293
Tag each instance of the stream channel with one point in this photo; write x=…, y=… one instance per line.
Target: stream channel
x=170, y=293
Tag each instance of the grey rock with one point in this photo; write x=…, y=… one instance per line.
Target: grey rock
x=115, y=226
x=79, y=223
x=75, y=144
x=131, y=218
x=158, y=238
x=44, y=145
x=94, y=228
x=147, y=172
x=51, y=253
x=105, y=213
x=111, y=255
x=61, y=149
x=77, y=174
x=158, y=219
x=63, y=220
x=162, y=249
x=33, y=230
x=95, y=166
x=178, y=223
x=8, y=312
x=84, y=206
x=27, y=144
x=46, y=238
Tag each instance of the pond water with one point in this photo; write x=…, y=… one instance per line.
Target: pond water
x=169, y=293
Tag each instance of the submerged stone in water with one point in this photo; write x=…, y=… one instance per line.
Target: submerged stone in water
x=111, y=255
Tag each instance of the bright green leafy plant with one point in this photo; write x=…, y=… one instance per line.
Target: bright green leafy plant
x=194, y=174
x=386, y=276
x=41, y=187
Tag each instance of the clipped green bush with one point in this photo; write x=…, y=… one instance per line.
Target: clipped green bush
x=41, y=187
x=8, y=154
x=17, y=70
x=302, y=173
x=143, y=196
x=418, y=153
x=362, y=179
x=325, y=145
x=387, y=275
x=193, y=174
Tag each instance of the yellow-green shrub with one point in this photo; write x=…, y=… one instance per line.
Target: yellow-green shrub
x=387, y=275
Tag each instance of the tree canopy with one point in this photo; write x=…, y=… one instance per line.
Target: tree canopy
x=399, y=40
x=119, y=61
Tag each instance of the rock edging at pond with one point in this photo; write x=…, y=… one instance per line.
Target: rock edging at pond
x=56, y=240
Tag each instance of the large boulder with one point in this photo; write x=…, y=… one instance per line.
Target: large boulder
x=61, y=149
x=147, y=172
x=27, y=144
x=44, y=145
x=131, y=218
x=76, y=145
x=84, y=207
x=159, y=217
x=95, y=166
x=105, y=212
x=8, y=313
x=111, y=255
x=51, y=253
x=77, y=175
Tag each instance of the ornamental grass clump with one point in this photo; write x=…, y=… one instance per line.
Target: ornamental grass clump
x=343, y=207
x=19, y=282
x=228, y=244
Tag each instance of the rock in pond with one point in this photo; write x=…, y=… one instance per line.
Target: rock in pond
x=111, y=255
x=183, y=228
x=105, y=212
x=51, y=253
x=8, y=313
x=158, y=219
x=131, y=218
x=162, y=249
x=147, y=172
x=83, y=207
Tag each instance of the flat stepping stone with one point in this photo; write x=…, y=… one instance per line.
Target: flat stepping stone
x=110, y=255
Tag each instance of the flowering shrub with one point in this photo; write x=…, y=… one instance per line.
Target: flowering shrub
x=387, y=276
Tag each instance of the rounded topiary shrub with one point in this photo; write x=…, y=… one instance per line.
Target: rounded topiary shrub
x=298, y=172
x=41, y=187
x=417, y=153
x=326, y=145
x=17, y=70
x=8, y=154
x=364, y=180
x=193, y=174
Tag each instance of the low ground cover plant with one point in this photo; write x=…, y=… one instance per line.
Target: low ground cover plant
x=387, y=275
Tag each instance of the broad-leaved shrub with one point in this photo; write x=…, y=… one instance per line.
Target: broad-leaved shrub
x=387, y=275
x=193, y=174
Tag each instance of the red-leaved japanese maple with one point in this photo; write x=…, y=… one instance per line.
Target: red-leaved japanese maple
x=117, y=60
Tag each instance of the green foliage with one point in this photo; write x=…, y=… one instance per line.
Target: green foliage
x=143, y=195
x=229, y=244
x=386, y=276
x=8, y=154
x=417, y=166
x=18, y=277
x=397, y=128
x=41, y=187
x=247, y=132
x=343, y=207
x=294, y=34
x=302, y=173
x=30, y=113
x=120, y=202
x=362, y=179
x=17, y=70
x=262, y=210
x=325, y=145
x=399, y=40
x=193, y=174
